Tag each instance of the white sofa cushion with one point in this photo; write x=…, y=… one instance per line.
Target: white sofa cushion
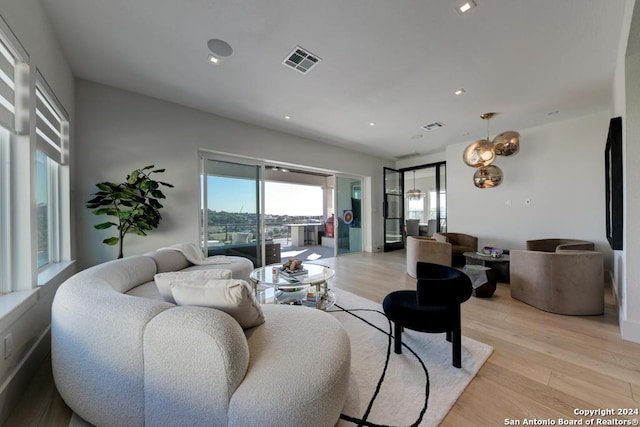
x=163, y=280
x=232, y=296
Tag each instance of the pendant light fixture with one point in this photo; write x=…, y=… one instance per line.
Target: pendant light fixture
x=414, y=193
x=481, y=154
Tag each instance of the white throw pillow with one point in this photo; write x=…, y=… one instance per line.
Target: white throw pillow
x=163, y=280
x=234, y=297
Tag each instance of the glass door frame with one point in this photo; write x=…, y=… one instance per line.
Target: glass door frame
x=387, y=195
x=203, y=221
x=361, y=218
x=441, y=220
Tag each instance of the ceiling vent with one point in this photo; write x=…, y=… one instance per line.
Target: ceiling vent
x=301, y=60
x=433, y=126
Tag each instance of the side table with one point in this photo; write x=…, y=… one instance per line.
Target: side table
x=500, y=265
x=483, y=280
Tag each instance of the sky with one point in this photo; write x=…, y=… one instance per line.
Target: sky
x=239, y=195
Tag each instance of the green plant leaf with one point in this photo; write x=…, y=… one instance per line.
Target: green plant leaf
x=111, y=241
x=105, y=225
x=106, y=211
x=166, y=184
x=155, y=204
x=133, y=176
x=96, y=199
x=104, y=186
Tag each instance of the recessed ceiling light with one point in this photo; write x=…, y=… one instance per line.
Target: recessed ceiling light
x=213, y=59
x=287, y=117
x=460, y=91
x=372, y=123
x=465, y=6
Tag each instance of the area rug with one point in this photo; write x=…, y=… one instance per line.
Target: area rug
x=415, y=388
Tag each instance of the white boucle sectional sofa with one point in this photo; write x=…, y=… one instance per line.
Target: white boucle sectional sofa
x=124, y=357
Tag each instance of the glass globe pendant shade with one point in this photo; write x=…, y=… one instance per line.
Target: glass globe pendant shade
x=479, y=153
x=488, y=177
x=414, y=194
x=507, y=143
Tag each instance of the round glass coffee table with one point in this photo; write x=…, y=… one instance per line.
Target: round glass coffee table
x=272, y=284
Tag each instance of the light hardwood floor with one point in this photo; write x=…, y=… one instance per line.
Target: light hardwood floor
x=544, y=366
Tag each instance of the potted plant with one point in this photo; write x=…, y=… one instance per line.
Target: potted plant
x=134, y=204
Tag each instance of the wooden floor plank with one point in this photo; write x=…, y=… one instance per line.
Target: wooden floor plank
x=595, y=395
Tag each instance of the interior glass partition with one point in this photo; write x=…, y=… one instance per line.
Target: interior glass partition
x=441, y=185
x=348, y=215
x=428, y=202
x=393, y=209
x=230, y=207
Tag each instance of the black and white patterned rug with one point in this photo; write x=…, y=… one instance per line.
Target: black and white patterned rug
x=416, y=388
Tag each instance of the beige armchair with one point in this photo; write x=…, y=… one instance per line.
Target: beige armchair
x=555, y=245
x=426, y=250
x=460, y=243
x=564, y=282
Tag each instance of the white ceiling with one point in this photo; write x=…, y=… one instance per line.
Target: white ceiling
x=395, y=63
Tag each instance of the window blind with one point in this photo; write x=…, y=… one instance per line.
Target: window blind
x=51, y=124
x=11, y=53
x=7, y=86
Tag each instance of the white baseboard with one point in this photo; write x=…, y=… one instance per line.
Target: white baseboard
x=14, y=387
x=630, y=330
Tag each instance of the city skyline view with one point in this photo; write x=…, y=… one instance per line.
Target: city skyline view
x=239, y=195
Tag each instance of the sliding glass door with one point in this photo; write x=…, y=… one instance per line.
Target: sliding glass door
x=230, y=207
x=348, y=233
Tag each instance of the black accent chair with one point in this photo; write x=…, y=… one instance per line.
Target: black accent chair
x=434, y=307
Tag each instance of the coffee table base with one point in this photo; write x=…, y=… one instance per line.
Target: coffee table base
x=483, y=280
x=500, y=265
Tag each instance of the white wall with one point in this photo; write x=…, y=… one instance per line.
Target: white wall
x=29, y=322
x=626, y=103
x=120, y=131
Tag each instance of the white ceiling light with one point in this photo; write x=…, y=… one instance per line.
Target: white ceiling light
x=287, y=117
x=213, y=59
x=460, y=91
x=464, y=6
x=372, y=123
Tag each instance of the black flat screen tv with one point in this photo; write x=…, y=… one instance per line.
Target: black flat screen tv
x=614, y=183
